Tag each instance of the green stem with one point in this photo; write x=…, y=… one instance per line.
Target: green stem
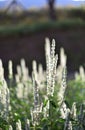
x=34, y=128
x=50, y=116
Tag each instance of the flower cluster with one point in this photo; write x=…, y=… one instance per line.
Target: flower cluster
x=39, y=101
x=51, y=63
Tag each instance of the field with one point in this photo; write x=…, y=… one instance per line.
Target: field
x=42, y=80
x=33, y=20
x=44, y=101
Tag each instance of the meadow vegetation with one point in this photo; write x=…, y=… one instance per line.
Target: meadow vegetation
x=31, y=21
x=45, y=100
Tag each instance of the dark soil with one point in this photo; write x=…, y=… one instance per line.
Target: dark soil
x=31, y=47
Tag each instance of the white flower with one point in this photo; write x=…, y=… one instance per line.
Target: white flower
x=82, y=73
x=10, y=127
x=63, y=58
x=73, y=110
x=19, y=72
x=18, y=125
x=51, y=63
x=62, y=90
x=10, y=69
x=1, y=71
x=64, y=111
x=27, y=125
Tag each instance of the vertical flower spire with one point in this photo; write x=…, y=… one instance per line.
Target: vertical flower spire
x=35, y=90
x=73, y=111
x=24, y=71
x=62, y=90
x=19, y=72
x=10, y=127
x=63, y=58
x=27, y=125
x=68, y=123
x=10, y=65
x=4, y=94
x=18, y=125
x=1, y=71
x=82, y=73
x=51, y=63
x=36, y=111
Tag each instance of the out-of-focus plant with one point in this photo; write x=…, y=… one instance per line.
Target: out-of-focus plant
x=45, y=101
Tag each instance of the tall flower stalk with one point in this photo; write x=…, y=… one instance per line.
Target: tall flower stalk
x=62, y=89
x=51, y=63
x=37, y=109
x=10, y=127
x=18, y=125
x=10, y=75
x=4, y=94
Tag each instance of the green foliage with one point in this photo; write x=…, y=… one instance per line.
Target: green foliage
x=40, y=26
x=77, y=13
x=4, y=123
x=75, y=92
x=20, y=109
x=26, y=100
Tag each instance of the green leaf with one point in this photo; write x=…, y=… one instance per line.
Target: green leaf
x=45, y=103
x=53, y=103
x=45, y=127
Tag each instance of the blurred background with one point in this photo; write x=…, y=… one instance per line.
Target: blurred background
x=24, y=25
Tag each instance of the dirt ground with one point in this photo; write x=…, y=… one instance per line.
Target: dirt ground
x=31, y=47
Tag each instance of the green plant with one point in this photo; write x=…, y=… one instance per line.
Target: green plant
x=45, y=101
